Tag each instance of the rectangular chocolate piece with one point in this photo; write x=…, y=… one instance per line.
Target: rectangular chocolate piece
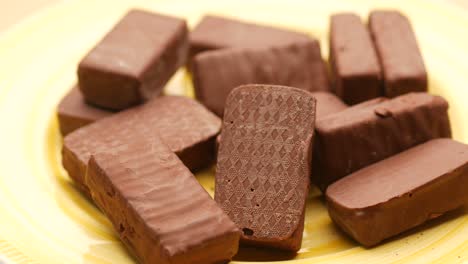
x=264, y=163
x=73, y=112
x=133, y=62
x=216, y=73
x=362, y=135
x=354, y=63
x=400, y=58
x=401, y=192
x=185, y=126
x=215, y=32
x=160, y=211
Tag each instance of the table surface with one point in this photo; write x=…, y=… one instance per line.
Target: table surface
x=13, y=12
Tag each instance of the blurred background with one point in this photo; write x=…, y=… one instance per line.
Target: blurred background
x=15, y=11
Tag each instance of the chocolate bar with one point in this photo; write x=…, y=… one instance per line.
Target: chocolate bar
x=74, y=113
x=185, y=126
x=264, y=163
x=327, y=103
x=133, y=62
x=160, y=211
x=401, y=192
x=400, y=58
x=357, y=137
x=355, y=66
x=216, y=73
x=215, y=32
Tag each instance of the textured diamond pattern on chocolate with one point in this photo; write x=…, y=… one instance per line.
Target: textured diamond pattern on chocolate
x=184, y=125
x=264, y=161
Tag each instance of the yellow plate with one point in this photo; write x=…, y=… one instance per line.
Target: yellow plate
x=43, y=219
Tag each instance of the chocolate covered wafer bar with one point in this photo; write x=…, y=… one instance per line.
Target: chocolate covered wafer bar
x=133, y=62
x=359, y=136
x=400, y=58
x=160, y=211
x=355, y=67
x=264, y=163
x=216, y=73
x=74, y=113
x=184, y=125
x=215, y=32
x=401, y=192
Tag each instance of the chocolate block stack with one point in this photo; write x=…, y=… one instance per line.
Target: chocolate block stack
x=392, y=170
x=362, y=135
x=129, y=66
x=385, y=164
x=184, y=125
x=136, y=162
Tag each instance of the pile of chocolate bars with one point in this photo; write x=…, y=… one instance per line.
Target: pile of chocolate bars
x=386, y=163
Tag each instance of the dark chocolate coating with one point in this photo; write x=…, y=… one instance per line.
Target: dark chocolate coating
x=133, y=62
x=216, y=73
x=74, y=113
x=160, y=211
x=215, y=32
x=362, y=135
x=354, y=63
x=185, y=126
x=264, y=163
x=400, y=58
x=401, y=192
x=328, y=104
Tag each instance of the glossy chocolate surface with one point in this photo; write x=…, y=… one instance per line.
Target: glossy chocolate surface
x=160, y=211
x=400, y=58
x=133, y=62
x=354, y=63
x=401, y=192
